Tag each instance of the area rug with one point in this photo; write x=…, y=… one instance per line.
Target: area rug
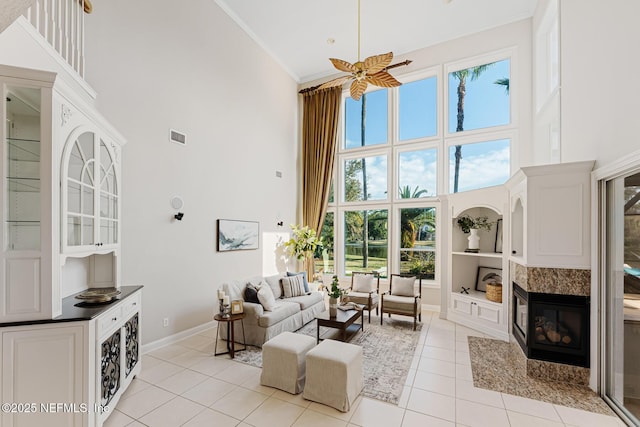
x=497, y=365
x=387, y=354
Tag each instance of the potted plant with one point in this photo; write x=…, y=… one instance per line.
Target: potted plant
x=468, y=223
x=334, y=295
x=303, y=243
x=471, y=225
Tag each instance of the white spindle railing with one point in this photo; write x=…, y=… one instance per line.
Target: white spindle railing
x=61, y=23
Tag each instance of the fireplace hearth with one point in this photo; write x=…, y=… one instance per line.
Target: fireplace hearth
x=552, y=327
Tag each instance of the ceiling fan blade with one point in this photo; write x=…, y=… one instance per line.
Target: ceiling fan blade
x=357, y=89
x=343, y=65
x=382, y=79
x=335, y=82
x=375, y=64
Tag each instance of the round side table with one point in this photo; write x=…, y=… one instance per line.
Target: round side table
x=231, y=339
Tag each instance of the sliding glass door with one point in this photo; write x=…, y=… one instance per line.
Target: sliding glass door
x=622, y=295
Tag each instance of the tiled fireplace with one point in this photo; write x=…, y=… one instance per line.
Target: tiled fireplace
x=551, y=321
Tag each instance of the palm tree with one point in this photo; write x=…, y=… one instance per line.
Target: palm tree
x=472, y=74
x=365, y=229
x=504, y=82
x=406, y=193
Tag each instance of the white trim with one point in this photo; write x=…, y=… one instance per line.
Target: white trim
x=171, y=339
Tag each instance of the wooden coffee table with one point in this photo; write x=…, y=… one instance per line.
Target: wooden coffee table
x=344, y=321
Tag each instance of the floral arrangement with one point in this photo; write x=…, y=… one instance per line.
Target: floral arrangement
x=467, y=222
x=303, y=243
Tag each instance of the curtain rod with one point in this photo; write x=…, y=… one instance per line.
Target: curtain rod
x=399, y=64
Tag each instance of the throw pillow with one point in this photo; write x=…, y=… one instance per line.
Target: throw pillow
x=363, y=283
x=403, y=286
x=274, y=283
x=251, y=294
x=293, y=286
x=304, y=278
x=266, y=298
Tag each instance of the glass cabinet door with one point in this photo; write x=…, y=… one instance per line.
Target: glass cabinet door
x=92, y=193
x=22, y=169
x=108, y=197
x=81, y=189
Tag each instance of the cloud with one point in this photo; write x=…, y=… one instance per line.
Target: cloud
x=481, y=170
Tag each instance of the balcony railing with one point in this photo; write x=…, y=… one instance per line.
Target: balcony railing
x=61, y=23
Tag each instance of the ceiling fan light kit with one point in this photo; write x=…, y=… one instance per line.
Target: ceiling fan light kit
x=373, y=70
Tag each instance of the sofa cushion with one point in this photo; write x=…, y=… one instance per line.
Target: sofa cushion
x=235, y=289
x=285, y=309
x=293, y=286
x=306, y=301
x=304, y=278
x=266, y=298
x=274, y=284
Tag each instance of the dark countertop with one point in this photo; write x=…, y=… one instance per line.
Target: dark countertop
x=75, y=310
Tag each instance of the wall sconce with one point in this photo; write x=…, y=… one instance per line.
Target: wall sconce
x=280, y=223
x=177, y=204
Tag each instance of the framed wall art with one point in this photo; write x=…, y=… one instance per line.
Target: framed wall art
x=234, y=235
x=487, y=275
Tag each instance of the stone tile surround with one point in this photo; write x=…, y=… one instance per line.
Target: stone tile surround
x=502, y=367
x=563, y=281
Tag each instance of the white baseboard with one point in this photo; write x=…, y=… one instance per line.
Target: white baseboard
x=431, y=307
x=171, y=339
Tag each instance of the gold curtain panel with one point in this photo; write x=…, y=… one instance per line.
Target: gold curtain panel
x=88, y=7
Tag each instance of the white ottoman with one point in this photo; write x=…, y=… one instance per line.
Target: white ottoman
x=334, y=374
x=283, y=361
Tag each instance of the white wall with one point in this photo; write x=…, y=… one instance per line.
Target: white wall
x=158, y=65
x=600, y=87
x=11, y=9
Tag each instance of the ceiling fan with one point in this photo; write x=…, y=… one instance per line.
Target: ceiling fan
x=373, y=70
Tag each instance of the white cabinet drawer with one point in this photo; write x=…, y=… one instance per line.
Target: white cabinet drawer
x=131, y=305
x=109, y=319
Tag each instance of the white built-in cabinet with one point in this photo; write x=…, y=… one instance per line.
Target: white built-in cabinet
x=471, y=307
x=61, y=186
x=85, y=364
x=61, y=190
x=550, y=215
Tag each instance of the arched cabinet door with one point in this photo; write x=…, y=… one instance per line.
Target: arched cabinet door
x=90, y=205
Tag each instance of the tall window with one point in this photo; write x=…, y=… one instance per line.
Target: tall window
x=401, y=148
x=478, y=99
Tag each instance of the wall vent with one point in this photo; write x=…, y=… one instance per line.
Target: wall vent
x=177, y=137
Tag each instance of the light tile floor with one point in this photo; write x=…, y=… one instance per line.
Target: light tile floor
x=185, y=385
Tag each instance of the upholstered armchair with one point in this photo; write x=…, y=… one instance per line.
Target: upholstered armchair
x=365, y=288
x=403, y=297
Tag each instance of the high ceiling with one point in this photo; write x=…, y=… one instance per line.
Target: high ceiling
x=297, y=33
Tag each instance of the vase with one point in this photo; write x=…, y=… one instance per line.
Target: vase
x=333, y=307
x=474, y=239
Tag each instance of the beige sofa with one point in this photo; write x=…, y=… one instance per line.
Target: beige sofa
x=261, y=325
